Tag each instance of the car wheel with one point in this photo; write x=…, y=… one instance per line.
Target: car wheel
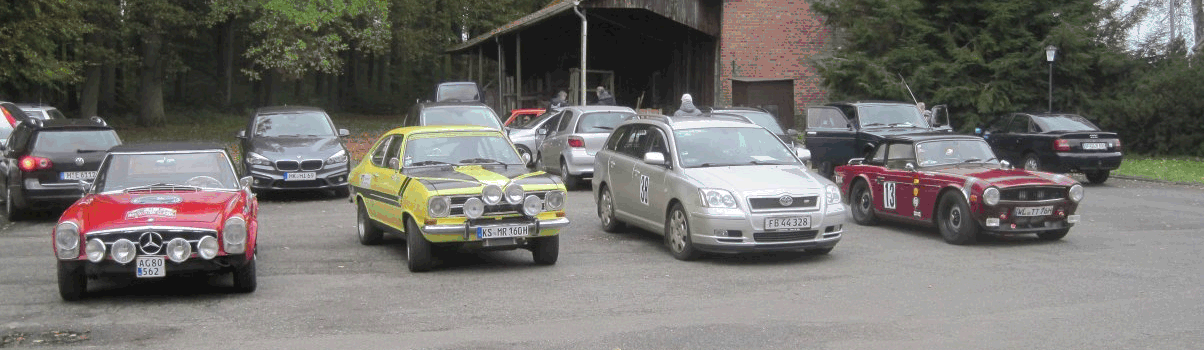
x=368, y=232
x=1031, y=163
x=677, y=235
x=244, y=276
x=12, y=210
x=418, y=250
x=545, y=250
x=1053, y=235
x=570, y=182
x=606, y=212
x=342, y=192
x=818, y=251
x=73, y=284
x=863, y=204
x=956, y=223
x=1098, y=177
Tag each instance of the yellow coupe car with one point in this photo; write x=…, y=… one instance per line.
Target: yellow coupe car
x=456, y=185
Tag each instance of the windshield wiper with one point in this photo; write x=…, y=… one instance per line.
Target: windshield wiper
x=873, y=124
x=482, y=160
x=604, y=127
x=88, y=150
x=910, y=125
x=161, y=184
x=971, y=160
x=429, y=162
x=762, y=162
x=710, y=165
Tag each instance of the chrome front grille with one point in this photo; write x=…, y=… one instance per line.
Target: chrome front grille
x=135, y=234
x=775, y=203
x=1040, y=193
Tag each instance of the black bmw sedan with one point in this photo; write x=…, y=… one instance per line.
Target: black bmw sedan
x=294, y=148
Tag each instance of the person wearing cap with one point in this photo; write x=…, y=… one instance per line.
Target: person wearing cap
x=604, y=97
x=687, y=108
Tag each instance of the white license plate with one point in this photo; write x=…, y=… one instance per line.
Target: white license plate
x=501, y=231
x=1095, y=146
x=300, y=176
x=788, y=223
x=1034, y=211
x=150, y=266
x=77, y=175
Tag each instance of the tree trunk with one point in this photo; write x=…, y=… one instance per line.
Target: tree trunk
x=90, y=95
x=1197, y=17
x=227, y=64
x=108, y=89
x=150, y=87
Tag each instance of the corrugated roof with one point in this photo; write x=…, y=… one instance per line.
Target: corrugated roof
x=525, y=21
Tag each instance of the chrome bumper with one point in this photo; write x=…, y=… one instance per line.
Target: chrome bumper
x=466, y=228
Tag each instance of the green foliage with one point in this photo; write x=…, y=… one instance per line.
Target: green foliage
x=35, y=34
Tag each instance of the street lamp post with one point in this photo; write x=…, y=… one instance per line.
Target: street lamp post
x=1050, y=53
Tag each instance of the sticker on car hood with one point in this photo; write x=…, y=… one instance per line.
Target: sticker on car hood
x=150, y=212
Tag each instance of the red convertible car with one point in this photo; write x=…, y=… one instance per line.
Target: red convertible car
x=157, y=210
x=957, y=184
x=523, y=116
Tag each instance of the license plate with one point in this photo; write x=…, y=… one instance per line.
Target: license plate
x=1095, y=146
x=77, y=175
x=300, y=176
x=788, y=223
x=150, y=266
x=501, y=231
x=1034, y=211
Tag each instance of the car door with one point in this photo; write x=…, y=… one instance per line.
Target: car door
x=830, y=138
x=625, y=185
x=556, y=142
x=649, y=180
x=898, y=182
x=875, y=175
x=379, y=199
x=1013, y=145
x=997, y=136
x=389, y=183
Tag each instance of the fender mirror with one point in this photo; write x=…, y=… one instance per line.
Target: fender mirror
x=910, y=166
x=803, y=154
x=242, y=134
x=394, y=163
x=245, y=181
x=84, y=187
x=344, y=133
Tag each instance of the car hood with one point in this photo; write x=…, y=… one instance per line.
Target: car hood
x=194, y=209
x=319, y=147
x=756, y=178
x=1004, y=178
x=449, y=178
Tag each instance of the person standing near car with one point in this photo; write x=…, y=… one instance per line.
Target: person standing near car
x=559, y=101
x=605, y=98
x=687, y=108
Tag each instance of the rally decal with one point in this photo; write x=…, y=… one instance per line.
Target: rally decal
x=644, y=188
x=150, y=212
x=888, y=195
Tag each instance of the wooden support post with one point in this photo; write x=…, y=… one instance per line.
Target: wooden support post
x=518, y=69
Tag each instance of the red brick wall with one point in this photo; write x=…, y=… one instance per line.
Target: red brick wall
x=772, y=39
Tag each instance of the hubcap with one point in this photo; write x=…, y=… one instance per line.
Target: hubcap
x=1030, y=164
x=607, y=209
x=955, y=217
x=564, y=170
x=360, y=223
x=678, y=232
x=865, y=202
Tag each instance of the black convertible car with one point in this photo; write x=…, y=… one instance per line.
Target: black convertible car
x=1054, y=142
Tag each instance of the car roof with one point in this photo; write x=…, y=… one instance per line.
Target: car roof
x=458, y=83
x=70, y=123
x=678, y=123
x=600, y=108
x=160, y=147
x=871, y=102
x=438, y=128
x=741, y=109
x=430, y=104
x=287, y=109
x=34, y=106
x=930, y=136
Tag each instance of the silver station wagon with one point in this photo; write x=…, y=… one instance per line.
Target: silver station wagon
x=714, y=185
x=577, y=133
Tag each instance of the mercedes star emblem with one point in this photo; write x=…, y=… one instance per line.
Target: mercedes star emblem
x=150, y=243
x=785, y=200
x=79, y=161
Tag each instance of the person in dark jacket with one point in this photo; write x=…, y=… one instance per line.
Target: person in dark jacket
x=605, y=98
x=560, y=101
x=687, y=108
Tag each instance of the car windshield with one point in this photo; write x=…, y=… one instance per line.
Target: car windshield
x=209, y=169
x=765, y=120
x=601, y=122
x=480, y=116
x=55, y=114
x=1066, y=122
x=76, y=141
x=444, y=150
x=707, y=147
x=293, y=125
x=945, y=152
x=458, y=92
x=526, y=123
x=890, y=115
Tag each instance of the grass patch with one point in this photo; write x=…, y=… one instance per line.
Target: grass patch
x=1178, y=169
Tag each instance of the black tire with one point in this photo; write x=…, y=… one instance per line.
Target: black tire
x=13, y=206
x=826, y=169
x=418, y=250
x=342, y=192
x=244, y=277
x=606, y=212
x=365, y=227
x=818, y=251
x=863, y=204
x=1053, y=235
x=570, y=182
x=677, y=235
x=73, y=284
x=1031, y=162
x=955, y=221
x=1097, y=177
x=545, y=250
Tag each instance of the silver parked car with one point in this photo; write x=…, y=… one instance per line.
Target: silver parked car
x=714, y=185
x=568, y=148
x=526, y=136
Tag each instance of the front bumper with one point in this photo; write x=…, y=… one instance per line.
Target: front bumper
x=468, y=230
x=36, y=193
x=192, y=266
x=733, y=231
x=268, y=178
x=1066, y=162
x=580, y=162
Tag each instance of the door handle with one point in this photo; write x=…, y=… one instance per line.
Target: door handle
x=810, y=133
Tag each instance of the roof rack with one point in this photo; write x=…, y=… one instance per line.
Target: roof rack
x=663, y=118
x=731, y=116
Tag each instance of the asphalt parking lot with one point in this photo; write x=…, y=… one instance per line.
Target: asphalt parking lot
x=1128, y=277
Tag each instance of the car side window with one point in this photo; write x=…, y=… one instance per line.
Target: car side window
x=616, y=138
x=1000, y=124
x=899, y=155
x=565, y=120
x=656, y=143
x=879, y=157
x=551, y=123
x=378, y=156
x=393, y=155
x=1019, y=125
x=634, y=142
x=826, y=118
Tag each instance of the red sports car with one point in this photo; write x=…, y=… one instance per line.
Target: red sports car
x=157, y=210
x=956, y=183
x=523, y=116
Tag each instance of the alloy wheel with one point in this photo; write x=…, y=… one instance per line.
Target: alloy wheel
x=678, y=232
x=607, y=208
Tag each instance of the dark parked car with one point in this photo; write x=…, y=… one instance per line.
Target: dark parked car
x=457, y=92
x=841, y=131
x=12, y=113
x=1054, y=142
x=295, y=148
x=46, y=160
x=763, y=119
x=452, y=113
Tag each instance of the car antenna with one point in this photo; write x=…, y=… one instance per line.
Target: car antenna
x=913, y=95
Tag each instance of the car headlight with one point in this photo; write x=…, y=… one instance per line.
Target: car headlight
x=178, y=249
x=492, y=194
x=339, y=157
x=832, y=194
x=438, y=207
x=474, y=208
x=95, y=250
x=256, y=159
x=532, y=205
x=554, y=200
x=123, y=251
x=514, y=193
x=717, y=198
x=1076, y=193
x=990, y=196
x=207, y=247
x=234, y=235
x=66, y=240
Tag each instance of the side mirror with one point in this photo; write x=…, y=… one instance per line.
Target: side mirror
x=242, y=134
x=654, y=158
x=84, y=187
x=910, y=166
x=245, y=181
x=804, y=155
x=394, y=163
x=344, y=133
x=542, y=132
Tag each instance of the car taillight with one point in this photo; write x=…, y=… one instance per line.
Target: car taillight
x=9, y=117
x=1062, y=145
x=31, y=163
x=1117, y=145
x=576, y=142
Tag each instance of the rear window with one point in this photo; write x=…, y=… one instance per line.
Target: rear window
x=601, y=122
x=1066, y=123
x=481, y=116
x=55, y=114
x=458, y=92
x=76, y=141
x=37, y=114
